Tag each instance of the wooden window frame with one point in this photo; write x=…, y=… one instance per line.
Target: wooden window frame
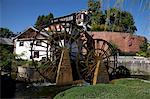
x=36, y=54
x=21, y=43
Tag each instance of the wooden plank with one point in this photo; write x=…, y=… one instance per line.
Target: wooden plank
x=64, y=73
x=96, y=72
x=59, y=65
x=101, y=74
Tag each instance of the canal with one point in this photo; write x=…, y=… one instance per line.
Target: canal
x=13, y=89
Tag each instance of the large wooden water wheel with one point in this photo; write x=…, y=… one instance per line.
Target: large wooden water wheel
x=69, y=53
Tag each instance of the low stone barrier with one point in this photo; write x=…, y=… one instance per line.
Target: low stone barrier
x=136, y=65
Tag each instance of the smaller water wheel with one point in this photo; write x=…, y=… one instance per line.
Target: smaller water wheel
x=100, y=61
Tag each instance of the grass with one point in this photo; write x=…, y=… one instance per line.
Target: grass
x=118, y=89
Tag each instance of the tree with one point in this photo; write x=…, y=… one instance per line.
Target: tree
x=6, y=55
x=127, y=22
x=43, y=20
x=120, y=21
x=6, y=33
x=144, y=50
x=111, y=20
x=95, y=15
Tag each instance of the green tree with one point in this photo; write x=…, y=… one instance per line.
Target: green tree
x=144, y=50
x=127, y=22
x=95, y=15
x=6, y=33
x=120, y=21
x=111, y=20
x=6, y=56
x=43, y=20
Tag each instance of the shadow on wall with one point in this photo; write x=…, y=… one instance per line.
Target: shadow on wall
x=120, y=72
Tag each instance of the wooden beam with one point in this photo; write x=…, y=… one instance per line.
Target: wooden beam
x=96, y=72
x=64, y=72
x=59, y=65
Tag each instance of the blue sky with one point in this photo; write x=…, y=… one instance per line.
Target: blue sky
x=17, y=15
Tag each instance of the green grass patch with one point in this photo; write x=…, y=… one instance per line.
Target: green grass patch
x=118, y=89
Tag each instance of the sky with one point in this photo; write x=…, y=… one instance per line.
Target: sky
x=17, y=15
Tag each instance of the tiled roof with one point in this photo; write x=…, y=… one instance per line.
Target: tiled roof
x=33, y=28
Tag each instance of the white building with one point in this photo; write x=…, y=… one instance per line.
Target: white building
x=23, y=44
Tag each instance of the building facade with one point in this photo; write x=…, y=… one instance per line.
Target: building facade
x=25, y=42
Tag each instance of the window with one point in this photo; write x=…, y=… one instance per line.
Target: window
x=38, y=43
x=31, y=43
x=36, y=54
x=21, y=43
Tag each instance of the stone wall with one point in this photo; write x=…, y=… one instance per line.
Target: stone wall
x=136, y=65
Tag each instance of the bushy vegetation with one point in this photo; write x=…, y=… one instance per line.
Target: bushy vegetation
x=6, y=57
x=144, y=51
x=43, y=20
x=118, y=89
x=6, y=33
x=6, y=51
x=113, y=19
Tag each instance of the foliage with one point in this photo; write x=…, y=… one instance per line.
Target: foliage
x=113, y=45
x=95, y=15
x=6, y=57
x=43, y=20
x=120, y=21
x=144, y=51
x=6, y=33
x=6, y=51
x=9, y=59
x=111, y=20
x=121, y=89
x=20, y=62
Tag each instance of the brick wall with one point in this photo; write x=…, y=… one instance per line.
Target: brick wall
x=124, y=41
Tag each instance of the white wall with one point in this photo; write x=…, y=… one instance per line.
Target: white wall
x=42, y=50
x=26, y=50
x=23, y=49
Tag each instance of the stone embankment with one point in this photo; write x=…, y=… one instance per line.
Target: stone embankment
x=136, y=65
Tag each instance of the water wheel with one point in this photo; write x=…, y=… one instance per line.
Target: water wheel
x=68, y=52
x=101, y=53
x=59, y=47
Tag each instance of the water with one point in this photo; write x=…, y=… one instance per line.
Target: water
x=17, y=89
